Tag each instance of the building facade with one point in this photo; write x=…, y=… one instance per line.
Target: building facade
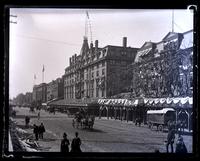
x=40, y=93
x=55, y=89
x=23, y=99
x=99, y=72
x=165, y=69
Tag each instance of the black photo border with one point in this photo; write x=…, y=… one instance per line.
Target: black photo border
x=154, y=4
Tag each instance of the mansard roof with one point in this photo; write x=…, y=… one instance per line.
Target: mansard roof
x=170, y=36
x=147, y=44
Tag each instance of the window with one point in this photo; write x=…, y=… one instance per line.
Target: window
x=102, y=93
x=103, y=71
x=191, y=81
x=103, y=63
x=97, y=92
x=92, y=75
x=97, y=74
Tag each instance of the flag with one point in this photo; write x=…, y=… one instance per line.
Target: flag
x=87, y=14
x=34, y=76
x=43, y=69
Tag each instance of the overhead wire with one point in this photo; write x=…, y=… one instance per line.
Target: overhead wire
x=43, y=39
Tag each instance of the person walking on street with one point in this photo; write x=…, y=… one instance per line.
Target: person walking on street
x=76, y=143
x=180, y=145
x=64, y=147
x=38, y=115
x=170, y=139
x=41, y=131
x=35, y=131
x=27, y=120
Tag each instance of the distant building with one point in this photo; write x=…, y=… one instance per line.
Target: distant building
x=55, y=89
x=99, y=72
x=28, y=97
x=40, y=93
x=23, y=99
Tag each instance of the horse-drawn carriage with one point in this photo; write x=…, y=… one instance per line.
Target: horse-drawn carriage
x=83, y=120
x=160, y=118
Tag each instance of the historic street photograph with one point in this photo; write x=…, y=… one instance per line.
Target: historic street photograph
x=101, y=80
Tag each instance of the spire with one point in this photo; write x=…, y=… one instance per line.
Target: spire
x=85, y=46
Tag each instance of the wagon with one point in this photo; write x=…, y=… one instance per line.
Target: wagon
x=83, y=121
x=160, y=118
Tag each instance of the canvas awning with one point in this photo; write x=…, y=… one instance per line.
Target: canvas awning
x=163, y=111
x=118, y=102
x=169, y=101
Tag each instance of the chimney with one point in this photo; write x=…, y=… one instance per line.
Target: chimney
x=124, y=42
x=70, y=61
x=75, y=57
x=91, y=46
x=96, y=45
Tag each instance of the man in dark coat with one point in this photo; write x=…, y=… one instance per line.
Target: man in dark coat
x=27, y=120
x=41, y=131
x=76, y=143
x=170, y=139
x=64, y=147
x=35, y=131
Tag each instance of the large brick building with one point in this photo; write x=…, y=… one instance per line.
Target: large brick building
x=99, y=72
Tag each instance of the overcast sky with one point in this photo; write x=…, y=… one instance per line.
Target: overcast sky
x=51, y=36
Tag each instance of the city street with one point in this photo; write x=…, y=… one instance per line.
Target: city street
x=106, y=136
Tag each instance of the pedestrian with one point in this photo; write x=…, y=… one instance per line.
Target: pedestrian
x=178, y=125
x=136, y=121
x=41, y=130
x=180, y=145
x=27, y=120
x=64, y=147
x=38, y=115
x=170, y=139
x=76, y=143
x=35, y=131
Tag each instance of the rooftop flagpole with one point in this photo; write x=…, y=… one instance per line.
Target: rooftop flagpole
x=34, y=78
x=172, y=20
x=43, y=74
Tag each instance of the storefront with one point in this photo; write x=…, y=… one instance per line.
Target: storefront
x=129, y=110
x=71, y=106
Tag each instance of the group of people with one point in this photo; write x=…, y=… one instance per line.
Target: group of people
x=38, y=131
x=180, y=145
x=75, y=145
